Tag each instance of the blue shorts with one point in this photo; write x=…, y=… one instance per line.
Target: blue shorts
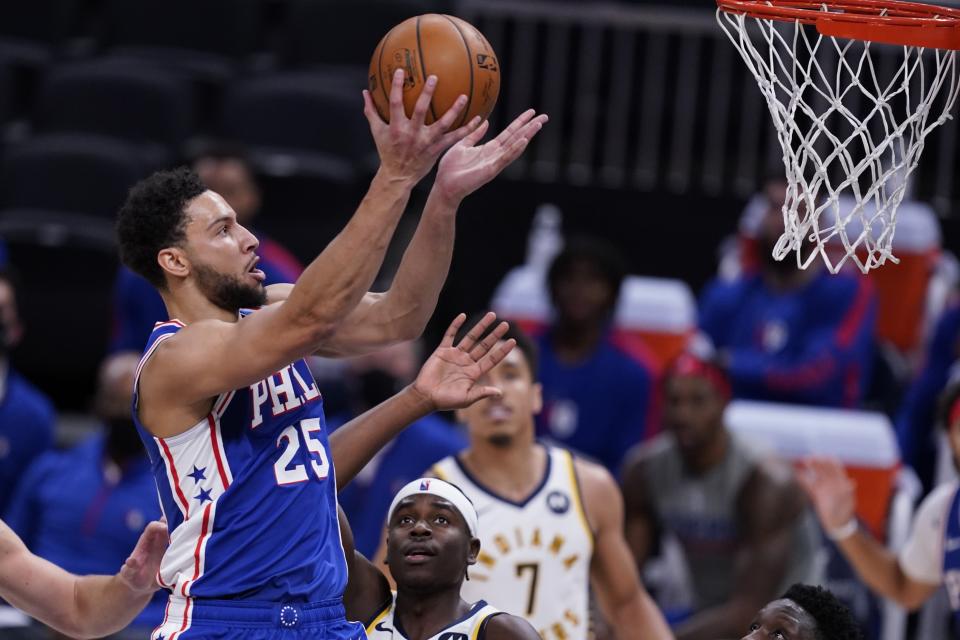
x=192, y=619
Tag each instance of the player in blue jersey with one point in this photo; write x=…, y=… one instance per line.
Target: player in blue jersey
x=81, y=607
x=432, y=530
x=227, y=408
x=931, y=556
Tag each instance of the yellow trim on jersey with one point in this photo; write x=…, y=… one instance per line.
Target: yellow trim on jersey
x=437, y=473
x=577, y=498
x=383, y=614
x=479, y=625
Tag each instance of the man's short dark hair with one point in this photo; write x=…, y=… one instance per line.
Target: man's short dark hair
x=526, y=346
x=834, y=620
x=601, y=253
x=154, y=218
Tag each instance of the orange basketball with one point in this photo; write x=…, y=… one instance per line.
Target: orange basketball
x=440, y=45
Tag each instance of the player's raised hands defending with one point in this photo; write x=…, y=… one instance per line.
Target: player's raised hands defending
x=408, y=147
x=466, y=166
x=830, y=490
x=450, y=378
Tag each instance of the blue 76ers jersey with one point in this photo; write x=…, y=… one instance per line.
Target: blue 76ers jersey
x=249, y=493
x=951, y=555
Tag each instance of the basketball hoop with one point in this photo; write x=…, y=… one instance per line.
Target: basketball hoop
x=851, y=135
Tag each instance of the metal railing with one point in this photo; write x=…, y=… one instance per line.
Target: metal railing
x=649, y=98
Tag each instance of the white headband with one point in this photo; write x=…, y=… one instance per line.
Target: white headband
x=441, y=489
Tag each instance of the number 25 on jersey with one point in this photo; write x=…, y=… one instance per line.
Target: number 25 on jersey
x=287, y=474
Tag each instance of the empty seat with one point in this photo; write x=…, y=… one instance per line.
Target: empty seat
x=297, y=123
x=31, y=31
x=330, y=32
x=70, y=173
x=123, y=101
x=221, y=27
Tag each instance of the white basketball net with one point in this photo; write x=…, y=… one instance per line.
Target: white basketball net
x=850, y=137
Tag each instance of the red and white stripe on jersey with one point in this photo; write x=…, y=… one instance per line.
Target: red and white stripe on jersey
x=143, y=361
x=176, y=619
x=198, y=472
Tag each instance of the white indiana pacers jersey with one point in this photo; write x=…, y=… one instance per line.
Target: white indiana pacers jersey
x=470, y=627
x=534, y=556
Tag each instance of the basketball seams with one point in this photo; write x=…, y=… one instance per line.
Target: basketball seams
x=423, y=67
x=383, y=86
x=466, y=45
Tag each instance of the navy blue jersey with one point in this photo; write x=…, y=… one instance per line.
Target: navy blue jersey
x=26, y=429
x=599, y=407
x=249, y=494
x=812, y=345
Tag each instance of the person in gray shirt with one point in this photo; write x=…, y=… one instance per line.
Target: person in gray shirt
x=742, y=522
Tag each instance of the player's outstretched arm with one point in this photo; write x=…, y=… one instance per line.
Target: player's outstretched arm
x=628, y=607
x=448, y=380
x=832, y=494
x=504, y=626
x=331, y=286
x=402, y=312
x=80, y=607
x=367, y=593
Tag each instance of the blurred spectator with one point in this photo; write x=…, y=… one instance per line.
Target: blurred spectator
x=596, y=392
x=916, y=418
x=84, y=509
x=27, y=417
x=371, y=379
x=742, y=524
x=788, y=334
x=3, y=253
x=227, y=171
x=929, y=560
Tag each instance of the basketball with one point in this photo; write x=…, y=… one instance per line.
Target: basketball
x=441, y=45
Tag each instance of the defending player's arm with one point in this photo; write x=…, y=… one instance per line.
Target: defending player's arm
x=367, y=593
x=402, y=312
x=327, y=291
x=613, y=574
x=81, y=607
x=640, y=528
x=447, y=380
x=832, y=493
x=768, y=508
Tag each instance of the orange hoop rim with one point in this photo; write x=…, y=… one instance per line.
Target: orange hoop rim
x=897, y=22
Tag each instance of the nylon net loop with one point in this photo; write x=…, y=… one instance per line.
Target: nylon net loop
x=851, y=128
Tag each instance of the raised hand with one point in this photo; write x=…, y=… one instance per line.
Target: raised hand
x=467, y=167
x=139, y=572
x=408, y=147
x=449, y=377
x=830, y=490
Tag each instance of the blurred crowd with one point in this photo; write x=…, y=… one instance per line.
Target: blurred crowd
x=687, y=398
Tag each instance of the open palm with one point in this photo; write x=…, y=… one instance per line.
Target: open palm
x=466, y=167
x=450, y=376
x=140, y=569
x=830, y=490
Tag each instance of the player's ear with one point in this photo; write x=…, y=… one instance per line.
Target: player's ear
x=537, y=397
x=173, y=260
x=474, y=551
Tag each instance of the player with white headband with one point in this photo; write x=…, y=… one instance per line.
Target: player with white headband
x=432, y=530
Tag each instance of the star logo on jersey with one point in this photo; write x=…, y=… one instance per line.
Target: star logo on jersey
x=197, y=474
x=558, y=502
x=203, y=496
x=160, y=637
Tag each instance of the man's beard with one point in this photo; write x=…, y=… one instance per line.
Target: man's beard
x=500, y=440
x=228, y=292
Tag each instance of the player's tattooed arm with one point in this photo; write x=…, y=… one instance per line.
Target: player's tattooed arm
x=641, y=528
x=504, y=626
x=80, y=607
x=623, y=600
x=448, y=380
